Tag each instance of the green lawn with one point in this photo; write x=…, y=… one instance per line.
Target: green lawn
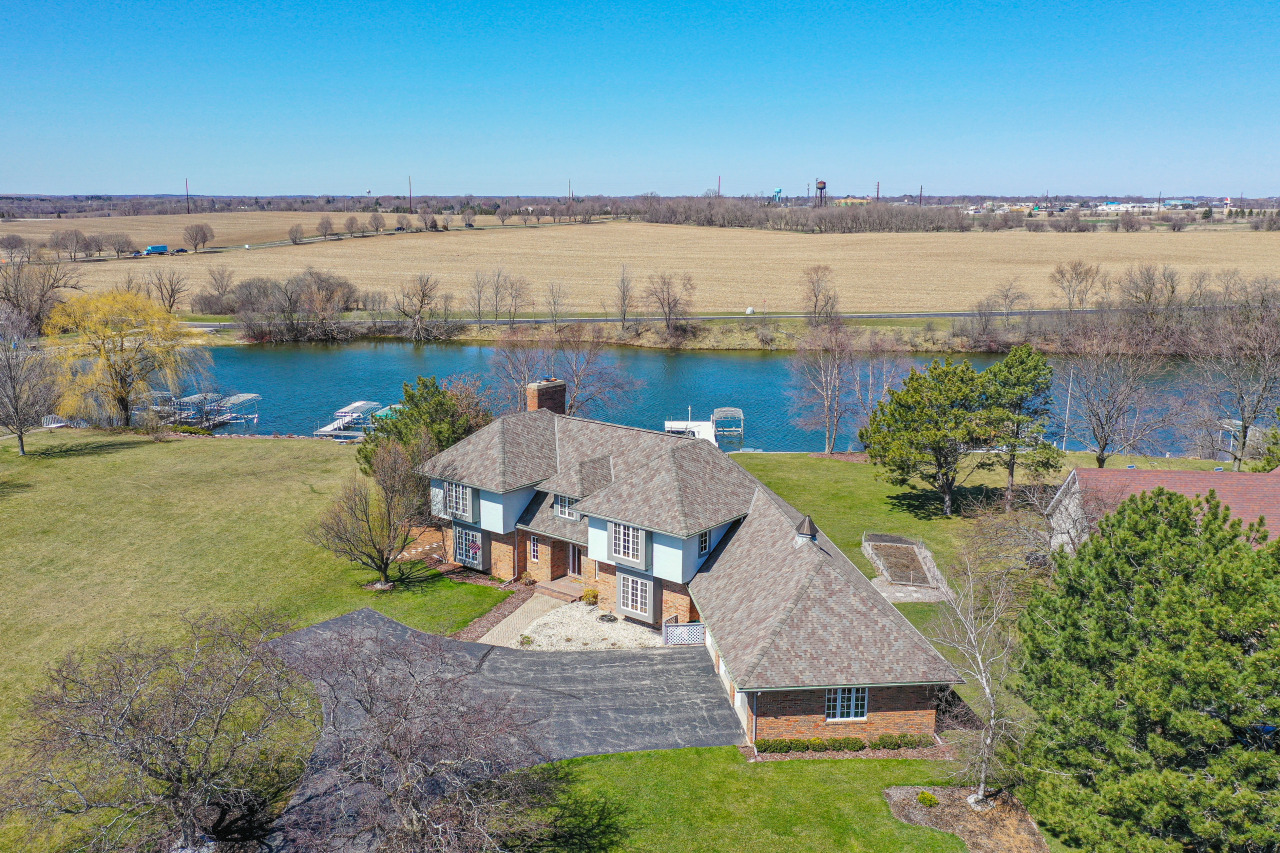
x=713, y=800
x=847, y=499
x=106, y=534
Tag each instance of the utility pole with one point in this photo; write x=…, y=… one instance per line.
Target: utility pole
x=717, y=186
x=187, y=183
x=411, y=193
x=920, y=203
x=877, y=190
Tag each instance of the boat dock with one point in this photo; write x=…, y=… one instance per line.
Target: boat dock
x=352, y=421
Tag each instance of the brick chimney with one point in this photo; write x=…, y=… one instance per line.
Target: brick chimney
x=546, y=393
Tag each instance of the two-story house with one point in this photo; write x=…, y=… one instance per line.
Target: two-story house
x=669, y=528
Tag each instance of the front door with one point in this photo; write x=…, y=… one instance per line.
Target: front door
x=575, y=562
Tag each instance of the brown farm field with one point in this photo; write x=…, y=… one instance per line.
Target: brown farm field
x=732, y=268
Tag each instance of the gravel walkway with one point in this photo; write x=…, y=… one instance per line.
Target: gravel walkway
x=575, y=627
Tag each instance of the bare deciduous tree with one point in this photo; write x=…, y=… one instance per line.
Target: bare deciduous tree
x=121, y=244
x=352, y=225
x=167, y=287
x=163, y=746
x=324, y=228
x=403, y=223
x=31, y=290
x=1237, y=360
x=197, y=235
x=516, y=363
x=671, y=296
x=415, y=758
x=477, y=295
x=14, y=247
x=822, y=303
x=822, y=378
x=556, y=303
x=1011, y=297
x=526, y=213
x=624, y=297
x=592, y=378
x=1076, y=281
x=296, y=234
x=417, y=304
x=517, y=297
x=371, y=521
x=94, y=244
x=499, y=284
x=1112, y=379
x=980, y=607
x=377, y=222
x=28, y=378
x=469, y=217
x=503, y=213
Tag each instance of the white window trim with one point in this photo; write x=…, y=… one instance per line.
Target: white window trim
x=534, y=550
x=638, y=590
x=848, y=703
x=564, y=507
x=464, y=534
x=457, y=500
x=704, y=542
x=625, y=534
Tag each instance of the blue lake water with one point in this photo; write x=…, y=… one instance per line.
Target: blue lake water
x=302, y=385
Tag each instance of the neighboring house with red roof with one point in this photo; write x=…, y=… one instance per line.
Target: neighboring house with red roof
x=669, y=529
x=1090, y=493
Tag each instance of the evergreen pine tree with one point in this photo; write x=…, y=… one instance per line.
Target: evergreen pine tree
x=1153, y=662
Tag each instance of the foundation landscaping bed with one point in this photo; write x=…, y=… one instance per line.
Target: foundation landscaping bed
x=886, y=746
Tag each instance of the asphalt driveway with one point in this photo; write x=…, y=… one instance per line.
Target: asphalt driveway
x=588, y=703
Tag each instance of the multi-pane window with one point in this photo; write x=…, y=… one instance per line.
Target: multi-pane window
x=626, y=542
x=468, y=549
x=634, y=595
x=564, y=507
x=457, y=500
x=704, y=542
x=535, y=548
x=846, y=703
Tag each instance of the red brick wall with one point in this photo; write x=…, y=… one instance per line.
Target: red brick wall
x=506, y=552
x=802, y=713
x=676, y=602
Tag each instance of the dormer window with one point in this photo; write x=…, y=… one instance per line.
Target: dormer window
x=457, y=500
x=704, y=542
x=564, y=507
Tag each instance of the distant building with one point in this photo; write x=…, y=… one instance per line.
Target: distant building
x=850, y=201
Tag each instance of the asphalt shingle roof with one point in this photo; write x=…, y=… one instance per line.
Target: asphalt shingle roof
x=785, y=612
x=1250, y=496
x=672, y=484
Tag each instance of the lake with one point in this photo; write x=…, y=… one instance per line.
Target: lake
x=302, y=385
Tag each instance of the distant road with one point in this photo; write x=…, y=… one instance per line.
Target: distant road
x=919, y=315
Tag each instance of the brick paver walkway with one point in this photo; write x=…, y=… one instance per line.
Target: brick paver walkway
x=507, y=632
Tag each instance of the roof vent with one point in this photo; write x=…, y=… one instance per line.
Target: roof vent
x=806, y=531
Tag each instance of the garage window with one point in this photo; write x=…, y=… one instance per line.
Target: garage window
x=846, y=703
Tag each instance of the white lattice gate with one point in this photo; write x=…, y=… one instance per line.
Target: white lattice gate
x=688, y=634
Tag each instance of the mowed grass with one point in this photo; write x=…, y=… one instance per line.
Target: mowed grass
x=847, y=499
x=713, y=800
x=105, y=535
x=732, y=269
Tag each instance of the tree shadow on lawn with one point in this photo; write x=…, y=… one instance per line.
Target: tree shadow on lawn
x=579, y=823
x=70, y=449
x=13, y=488
x=926, y=504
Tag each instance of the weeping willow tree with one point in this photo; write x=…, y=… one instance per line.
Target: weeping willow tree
x=120, y=347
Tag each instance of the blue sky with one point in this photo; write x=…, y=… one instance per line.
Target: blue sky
x=518, y=98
